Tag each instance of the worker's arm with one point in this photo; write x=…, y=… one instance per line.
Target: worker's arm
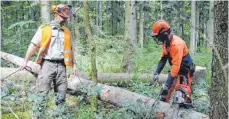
x=35, y=43
x=161, y=64
x=162, y=61
x=29, y=53
x=176, y=54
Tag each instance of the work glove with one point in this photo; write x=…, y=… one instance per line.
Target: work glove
x=155, y=77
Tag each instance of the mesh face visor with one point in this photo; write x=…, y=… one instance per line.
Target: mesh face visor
x=71, y=10
x=158, y=39
x=66, y=12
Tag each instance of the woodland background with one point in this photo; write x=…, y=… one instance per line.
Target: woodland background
x=120, y=31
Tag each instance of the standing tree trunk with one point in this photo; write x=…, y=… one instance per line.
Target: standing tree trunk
x=161, y=8
x=75, y=21
x=192, y=38
x=97, y=14
x=112, y=18
x=93, y=71
x=182, y=19
x=130, y=35
x=45, y=12
x=197, y=26
x=141, y=23
x=210, y=26
x=100, y=16
x=219, y=81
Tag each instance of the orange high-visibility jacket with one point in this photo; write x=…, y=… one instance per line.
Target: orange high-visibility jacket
x=177, y=52
x=45, y=42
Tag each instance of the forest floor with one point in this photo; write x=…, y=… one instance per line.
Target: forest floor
x=17, y=92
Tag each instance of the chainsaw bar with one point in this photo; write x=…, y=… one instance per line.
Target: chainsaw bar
x=176, y=108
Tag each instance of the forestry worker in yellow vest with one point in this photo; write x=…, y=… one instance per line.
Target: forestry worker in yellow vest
x=55, y=53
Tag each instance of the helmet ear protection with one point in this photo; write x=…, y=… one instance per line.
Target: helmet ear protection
x=59, y=9
x=55, y=9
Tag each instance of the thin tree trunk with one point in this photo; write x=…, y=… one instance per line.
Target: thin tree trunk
x=92, y=47
x=107, y=6
x=100, y=16
x=182, y=20
x=75, y=21
x=219, y=81
x=197, y=29
x=141, y=23
x=210, y=26
x=161, y=8
x=45, y=11
x=193, y=26
x=130, y=35
x=205, y=37
x=97, y=14
x=112, y=18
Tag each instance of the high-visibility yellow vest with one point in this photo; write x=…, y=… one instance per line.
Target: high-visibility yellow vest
x=45, y=42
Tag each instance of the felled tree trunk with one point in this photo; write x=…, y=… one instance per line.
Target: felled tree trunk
x=138, y=103
x=121, y=78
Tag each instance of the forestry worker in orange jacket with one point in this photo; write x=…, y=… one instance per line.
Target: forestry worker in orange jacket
x=176, y=52
x=55, y=53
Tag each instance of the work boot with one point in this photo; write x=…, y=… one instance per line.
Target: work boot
x=60, y=103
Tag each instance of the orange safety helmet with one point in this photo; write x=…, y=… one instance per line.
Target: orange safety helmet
x=62, y=10
x=159, y=27
x=160, y=30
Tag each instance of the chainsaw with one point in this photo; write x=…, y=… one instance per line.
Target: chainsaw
x=182, y=96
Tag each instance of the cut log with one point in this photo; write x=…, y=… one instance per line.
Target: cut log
x=138, y=103
x=112, y=77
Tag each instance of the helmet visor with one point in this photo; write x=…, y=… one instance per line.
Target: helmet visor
x=66, y=12
x=158, y=39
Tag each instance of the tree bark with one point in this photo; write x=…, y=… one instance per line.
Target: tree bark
x=75, y=21
x=197, y=26
x=193, y=26
x=97, y=14
x=182, y=18
x=161, y=9
x=45, y=12
x=210, y=26
x=219, y=81
x=93, y=70
x=137, y=103
x=141, y=23
x=100, y=16
x=130, y=35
